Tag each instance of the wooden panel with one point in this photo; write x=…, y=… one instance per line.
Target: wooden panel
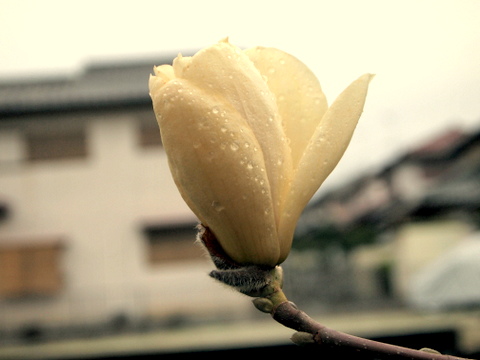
x=10, y=272
x=30, y=270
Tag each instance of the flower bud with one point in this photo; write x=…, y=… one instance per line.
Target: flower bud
x=249, y=139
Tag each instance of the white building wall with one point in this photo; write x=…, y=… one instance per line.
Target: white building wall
x=98, y=205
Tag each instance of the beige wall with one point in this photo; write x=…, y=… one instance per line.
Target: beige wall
x=98, y=205
x=417, y=244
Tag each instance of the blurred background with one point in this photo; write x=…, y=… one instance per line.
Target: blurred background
x=97, y=253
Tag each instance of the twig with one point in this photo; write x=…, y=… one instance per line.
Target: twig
x=312, y=332
x=265, y=284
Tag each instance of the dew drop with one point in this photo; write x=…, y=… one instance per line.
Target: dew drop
x=319, y=141
x=249, y=166
x=234, y=146
x=217, y=206
x=215, y=110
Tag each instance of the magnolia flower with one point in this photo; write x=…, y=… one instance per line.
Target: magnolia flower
x=249, y=139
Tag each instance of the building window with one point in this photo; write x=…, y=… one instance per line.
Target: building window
x=30, y=270
x=148, y=131
x=172, y=243
x=56, y=146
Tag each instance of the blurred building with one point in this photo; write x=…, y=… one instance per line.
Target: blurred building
x=393, y=224
x=95, y=238
x=92, y=228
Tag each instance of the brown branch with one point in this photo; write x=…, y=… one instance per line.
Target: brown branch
x=270, y=298
x=338, y=343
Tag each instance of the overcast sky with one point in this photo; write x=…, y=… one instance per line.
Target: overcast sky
x=425, y=54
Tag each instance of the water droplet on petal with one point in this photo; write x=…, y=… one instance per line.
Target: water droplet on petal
x=234, y=146
x=217, y=206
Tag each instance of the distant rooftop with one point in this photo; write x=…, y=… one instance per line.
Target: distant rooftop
x=442, y=144
x=98, y=86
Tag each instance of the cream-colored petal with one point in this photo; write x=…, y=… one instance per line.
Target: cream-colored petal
x=180, y=64
x=163, y=74
x=218, y=167
x=326, y=147
x=300, y=99
x=227, y=73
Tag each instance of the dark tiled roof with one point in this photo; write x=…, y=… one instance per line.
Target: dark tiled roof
x=99, y=86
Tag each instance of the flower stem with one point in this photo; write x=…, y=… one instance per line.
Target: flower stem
x=329, y=341
x=265, y=285
x=336, y=342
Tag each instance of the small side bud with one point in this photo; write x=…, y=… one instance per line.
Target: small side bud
x=430, y=351
x=263, y=304
x=302, y=338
